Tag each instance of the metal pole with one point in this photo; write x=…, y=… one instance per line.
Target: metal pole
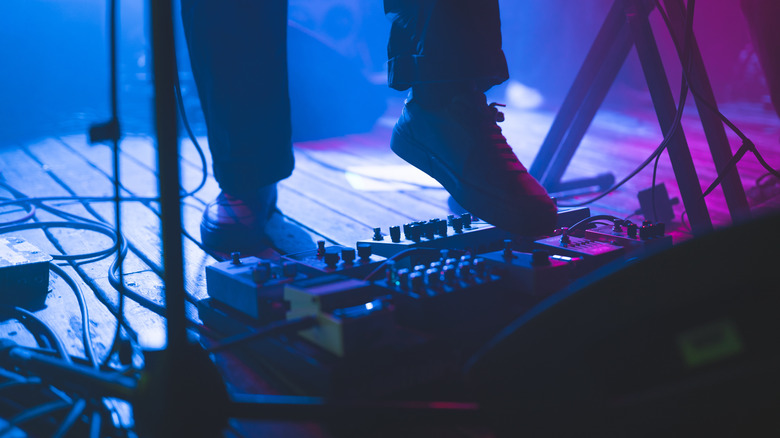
x=164, y=70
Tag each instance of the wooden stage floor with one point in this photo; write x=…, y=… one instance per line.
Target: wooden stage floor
x=341, y=189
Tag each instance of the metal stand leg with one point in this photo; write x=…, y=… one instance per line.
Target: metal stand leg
x=699, y=81
x=665, y=108
x=627, y=25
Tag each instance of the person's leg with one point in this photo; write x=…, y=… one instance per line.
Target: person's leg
x=449, y=53
x=238, y=53
x=445, y=46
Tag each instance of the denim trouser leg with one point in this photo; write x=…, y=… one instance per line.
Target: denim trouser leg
x=440, y=41
x=238, y=52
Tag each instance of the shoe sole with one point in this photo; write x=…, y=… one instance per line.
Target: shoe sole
x=472, y=198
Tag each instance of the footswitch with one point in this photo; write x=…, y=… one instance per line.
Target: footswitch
x=252, y=285
x=353, y=316
x=536, y=274
x=567, y=244
x=646, y=239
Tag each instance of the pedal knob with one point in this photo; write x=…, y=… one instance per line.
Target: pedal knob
x=457, y=225
x=261, y=272
x=414, y=233
x=235, y=258
x=442, y=225
x=364, y=251
x=540, y=257
x=408, y=231
x=320, y=248
x=464, y=271
x=508, y=255
x=332, y=257
x=290, y=269
x=466, y=218
x=395, y=234
x=348, y=255
x=646, y=232
x=403, y=278
x=618, y=226
x=417, y=282
x=479, y=266
x=631, y=230
x=565, y=238
x=429, y=230
x=432, y=278
x=378, y=234
x=448, y=274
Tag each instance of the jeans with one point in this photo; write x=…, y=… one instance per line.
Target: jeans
x=238, y=53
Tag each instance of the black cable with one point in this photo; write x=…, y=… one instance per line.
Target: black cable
x=405, y=253
x=272, y=329
x=86, y=337
x=590, y=219
x=36, y=326
x=16, y=383
x=30, y=209
x=94, y=425
x=188, y=128
x=96, y=227
x=667, y=138
x=34, y=413
x=88, y=224
x=747, y=144
x=11, y=375
x=664, y=143
x=71, y=419
x=686, y=64
x=78, y=223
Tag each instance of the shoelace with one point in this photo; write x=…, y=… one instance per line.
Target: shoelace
x=505, y=152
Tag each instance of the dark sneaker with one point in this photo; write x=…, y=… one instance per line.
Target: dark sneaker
x=461, y=146
x=232, y=224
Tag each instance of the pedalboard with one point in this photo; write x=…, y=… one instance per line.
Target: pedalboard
x=252, y=285
x=424, y=316
x=24, y=274
x=352, y=262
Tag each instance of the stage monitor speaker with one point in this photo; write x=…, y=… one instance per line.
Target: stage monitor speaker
x=685, y=342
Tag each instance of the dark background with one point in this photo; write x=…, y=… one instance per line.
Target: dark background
x=54, y=74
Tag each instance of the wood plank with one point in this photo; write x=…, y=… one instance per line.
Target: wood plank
x=20, y=170
x=287, y=235
x=145, y=234
x=140, y=224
